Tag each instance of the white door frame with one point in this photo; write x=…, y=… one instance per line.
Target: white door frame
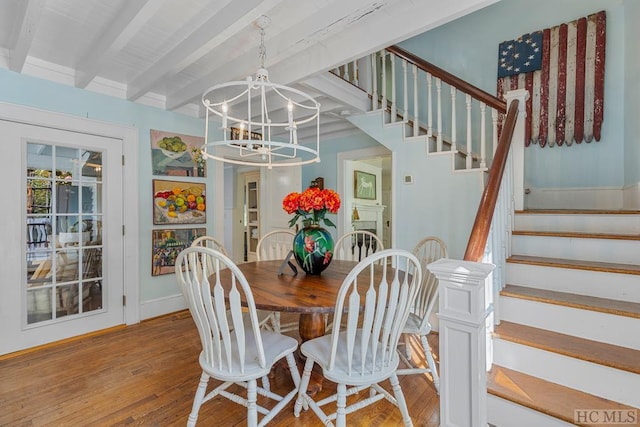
x=129, y=137
x=342, y=182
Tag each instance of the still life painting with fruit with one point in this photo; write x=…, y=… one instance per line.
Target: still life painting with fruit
x=176, y=202
x=176, y=154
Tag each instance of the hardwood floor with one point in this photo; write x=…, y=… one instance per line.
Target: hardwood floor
x=146, y=375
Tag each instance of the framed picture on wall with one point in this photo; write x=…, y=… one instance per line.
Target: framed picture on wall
x=178, y=202
x=167, y=244
x=176, y=154
x=364, y=185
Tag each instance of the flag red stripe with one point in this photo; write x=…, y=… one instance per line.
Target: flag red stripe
x=544, y=87
x=500, y=95
x=581, y=47
x=562, y=84
x=527, y=128
x=598, y=106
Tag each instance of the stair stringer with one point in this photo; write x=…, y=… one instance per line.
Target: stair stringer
x=394, y=135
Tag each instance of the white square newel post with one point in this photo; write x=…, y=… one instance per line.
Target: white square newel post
x=463, y=311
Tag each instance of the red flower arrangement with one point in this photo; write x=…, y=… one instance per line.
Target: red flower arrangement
x=311, y=205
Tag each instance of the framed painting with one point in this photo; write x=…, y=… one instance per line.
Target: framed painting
x=364, y=185
x=167, y=244
x=178, y=202
x=176, y=154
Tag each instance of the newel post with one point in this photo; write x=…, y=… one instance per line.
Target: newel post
x=464, y=308
x=517, y=145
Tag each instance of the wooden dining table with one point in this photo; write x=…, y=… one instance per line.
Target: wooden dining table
x=312, y=296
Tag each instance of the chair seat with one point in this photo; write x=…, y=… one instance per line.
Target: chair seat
x=319, y=350
x=413, y=326
x=276, y=346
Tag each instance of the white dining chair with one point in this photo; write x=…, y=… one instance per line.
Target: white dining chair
x=427, y=251
x=276, y=245
x=264, y=316
x=363, y=352
x=236, y=353
x=210, y=242
x=357, y=245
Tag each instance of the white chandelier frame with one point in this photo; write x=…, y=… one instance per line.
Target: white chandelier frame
x=267, y=151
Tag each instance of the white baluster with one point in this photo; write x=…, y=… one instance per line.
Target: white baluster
x=383, y=83
x=394, y=107
x=346, y=72
x=374, y=81
x=483, y=139
x=454, y=113
x=439, y=112
x=405, y=92
x=469, y=145
x=429, y=106
x=356, y=78
x=416, y=123
x=494, y=130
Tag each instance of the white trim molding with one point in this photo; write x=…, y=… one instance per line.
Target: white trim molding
x=606, y=198
x=631, y=197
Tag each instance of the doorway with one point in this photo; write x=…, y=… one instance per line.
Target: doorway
x=379, y=161
x=63, y=253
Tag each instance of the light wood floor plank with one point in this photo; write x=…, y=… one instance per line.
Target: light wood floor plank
x=146, y=375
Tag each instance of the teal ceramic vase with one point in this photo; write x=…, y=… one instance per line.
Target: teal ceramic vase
x=313, y=249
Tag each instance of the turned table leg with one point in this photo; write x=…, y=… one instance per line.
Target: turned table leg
x=311, y=325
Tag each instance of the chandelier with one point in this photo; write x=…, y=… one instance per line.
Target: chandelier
x=260, y=120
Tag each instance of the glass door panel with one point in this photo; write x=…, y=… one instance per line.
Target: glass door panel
x=64, y=232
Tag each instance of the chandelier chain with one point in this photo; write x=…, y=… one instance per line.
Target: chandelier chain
x=262, y=50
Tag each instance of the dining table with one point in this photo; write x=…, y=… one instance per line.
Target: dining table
x=277, y=288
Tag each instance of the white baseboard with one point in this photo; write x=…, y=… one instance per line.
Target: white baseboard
x=576, y=198
x=162, y=306
x=631, y=196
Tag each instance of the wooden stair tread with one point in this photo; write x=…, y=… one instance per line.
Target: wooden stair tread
x=579, y=211
x=610, y=355
x=543, y=396
x=577, y=235
x=585, y=302
x=606, y=267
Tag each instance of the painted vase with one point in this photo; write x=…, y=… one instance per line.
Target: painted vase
x=313, y=249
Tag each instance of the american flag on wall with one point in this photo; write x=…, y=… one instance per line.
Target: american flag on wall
x=563, y=70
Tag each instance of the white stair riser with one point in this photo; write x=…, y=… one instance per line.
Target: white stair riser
x=592, y=325
x=613, y=224
x=503, y=413
x=623, y=287
x=598, y=250
x=599, y=380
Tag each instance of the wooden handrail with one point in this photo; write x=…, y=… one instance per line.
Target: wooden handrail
x=482, y=224
x=450, y=79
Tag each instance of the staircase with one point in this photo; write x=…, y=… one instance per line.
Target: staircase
x=567, y=349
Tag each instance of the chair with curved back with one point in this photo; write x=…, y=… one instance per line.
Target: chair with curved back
x=373, y=304
x=357, y=245
x=235, y=351
x=210, y=242
x=213, y=243
x=276, y=245
x=427, y=251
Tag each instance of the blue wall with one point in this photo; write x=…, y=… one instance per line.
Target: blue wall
x=24, y=90
x=468, y=48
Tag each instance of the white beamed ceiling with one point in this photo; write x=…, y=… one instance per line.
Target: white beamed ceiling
x=167, y=52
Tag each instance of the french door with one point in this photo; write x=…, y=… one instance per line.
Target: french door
x=63, y=229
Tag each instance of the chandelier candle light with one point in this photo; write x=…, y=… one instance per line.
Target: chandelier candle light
x=266, y=117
